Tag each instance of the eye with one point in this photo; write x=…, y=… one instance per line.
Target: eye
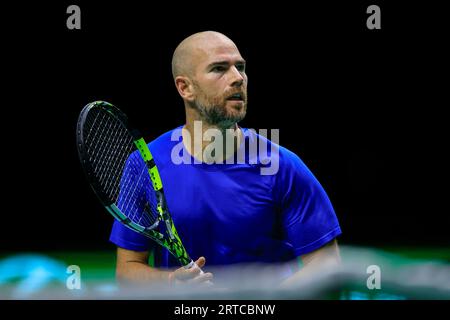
x=218, y=69
x=240, y=67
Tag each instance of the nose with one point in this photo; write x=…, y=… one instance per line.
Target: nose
x=237, y=78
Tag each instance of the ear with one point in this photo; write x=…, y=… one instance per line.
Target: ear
x=185, y=88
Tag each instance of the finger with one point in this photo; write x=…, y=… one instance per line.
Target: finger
x=205, y=277
x=186, y=274
x=201, y=262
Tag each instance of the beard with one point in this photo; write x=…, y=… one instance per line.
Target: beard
x=214, y=110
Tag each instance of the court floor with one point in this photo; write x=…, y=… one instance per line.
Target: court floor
x=405, y=273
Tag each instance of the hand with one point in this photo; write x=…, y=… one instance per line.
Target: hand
x=192, y=275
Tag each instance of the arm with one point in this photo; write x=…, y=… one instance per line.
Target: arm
x=322, y=259
x=132, y=266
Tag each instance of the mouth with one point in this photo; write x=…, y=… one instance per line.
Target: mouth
x=236, y=97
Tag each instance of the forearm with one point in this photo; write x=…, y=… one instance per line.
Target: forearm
x=141, y=273
x=132, y=267
x=315, y=265
x=309, y=273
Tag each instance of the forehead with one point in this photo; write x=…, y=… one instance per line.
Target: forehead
x=215, y=52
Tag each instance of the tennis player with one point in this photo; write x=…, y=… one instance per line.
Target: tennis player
x=228, y=212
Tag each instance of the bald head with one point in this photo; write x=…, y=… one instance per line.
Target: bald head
x=194, y=49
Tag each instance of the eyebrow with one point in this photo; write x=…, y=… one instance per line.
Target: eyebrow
x=224, y=63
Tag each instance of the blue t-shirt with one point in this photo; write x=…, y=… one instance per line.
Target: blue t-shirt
x=231, y=213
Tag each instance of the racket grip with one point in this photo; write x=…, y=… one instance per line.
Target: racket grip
x=192, y=264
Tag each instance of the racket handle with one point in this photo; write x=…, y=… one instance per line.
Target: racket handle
x=192, y=264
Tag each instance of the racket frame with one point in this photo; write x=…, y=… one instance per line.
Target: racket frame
x=173, y=241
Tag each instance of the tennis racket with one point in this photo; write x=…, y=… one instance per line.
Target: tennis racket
x=124, y=176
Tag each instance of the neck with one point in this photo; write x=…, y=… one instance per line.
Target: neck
x=211, y=143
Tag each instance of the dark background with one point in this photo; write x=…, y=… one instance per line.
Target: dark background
x=362, y=108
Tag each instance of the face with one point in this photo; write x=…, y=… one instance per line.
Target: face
x=220, y=85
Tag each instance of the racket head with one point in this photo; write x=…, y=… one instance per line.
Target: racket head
x=112, y=155
x=113, y=166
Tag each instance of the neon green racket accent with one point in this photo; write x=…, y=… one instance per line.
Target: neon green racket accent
x=148, y=158
x=174, y=244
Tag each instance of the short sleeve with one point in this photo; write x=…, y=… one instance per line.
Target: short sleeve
x=308, y=217
x=126, y=238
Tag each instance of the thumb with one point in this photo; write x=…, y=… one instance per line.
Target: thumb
x=200, y=262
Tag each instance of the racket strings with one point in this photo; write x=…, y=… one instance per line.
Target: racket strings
x=123, y=176
x=103, y=150
x=108, y=148
x=123, y=148
x=115, y=145
x=138, y=199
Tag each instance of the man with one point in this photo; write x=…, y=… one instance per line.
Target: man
x=227, y=212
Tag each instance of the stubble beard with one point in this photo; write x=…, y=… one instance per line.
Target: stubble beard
x=213, y=110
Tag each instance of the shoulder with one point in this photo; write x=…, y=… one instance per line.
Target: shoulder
x=165, y=142
x=166, y=139
x=270, y=152
x=291, y=175
x=162, y=146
